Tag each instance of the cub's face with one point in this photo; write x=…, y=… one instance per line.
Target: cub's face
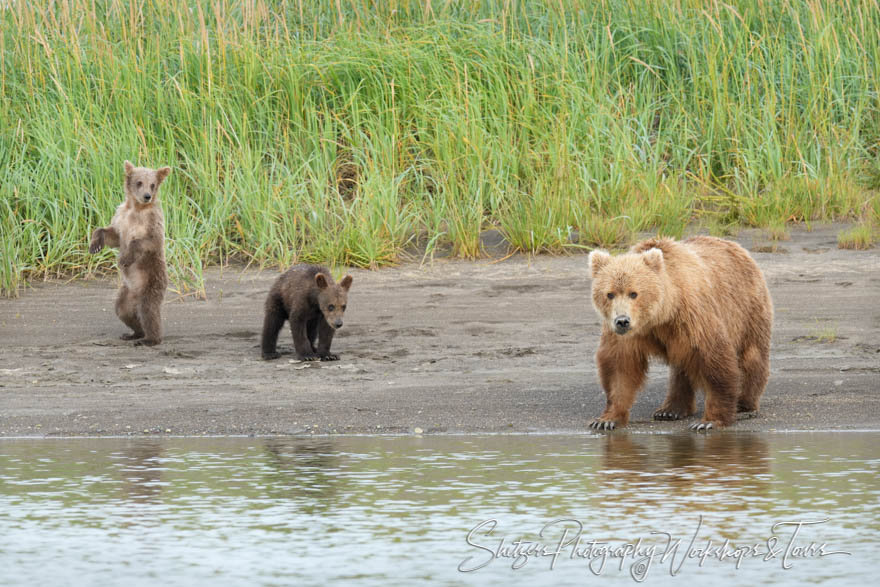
x=628, y=289
x=142, y=183
x=333, y=298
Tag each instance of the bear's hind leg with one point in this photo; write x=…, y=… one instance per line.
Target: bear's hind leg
x=755, y=366
x=126, y=310
x=722, y=379
x=273, y=322
x=149, y=313
x=680, y=400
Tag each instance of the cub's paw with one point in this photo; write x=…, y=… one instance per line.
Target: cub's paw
x=600, y=424
x=132, y=336
x=97, y=242
x=667, y=414
x=147, y=342
x=309, y=357
x=330, y=357
x=703, y=426
x=271, y=356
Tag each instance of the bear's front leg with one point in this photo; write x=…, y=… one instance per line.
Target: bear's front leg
x=622, y=375
x=102, y=237
x=325, y=338
x=298, y=328
x=132, y=252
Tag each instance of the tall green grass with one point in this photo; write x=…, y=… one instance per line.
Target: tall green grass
x=346, y=131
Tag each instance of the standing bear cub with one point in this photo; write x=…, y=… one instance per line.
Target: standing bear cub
x=702, y=305
x=138, y=229
x=307, y=296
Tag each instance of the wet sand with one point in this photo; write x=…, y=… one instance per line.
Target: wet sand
x=450, y=346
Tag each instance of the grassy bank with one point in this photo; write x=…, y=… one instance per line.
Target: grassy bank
x=343, y=131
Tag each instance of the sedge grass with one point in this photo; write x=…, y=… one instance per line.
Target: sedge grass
x=860, y=237
x=342, y=131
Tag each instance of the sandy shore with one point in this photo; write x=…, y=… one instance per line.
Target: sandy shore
x=453, y=346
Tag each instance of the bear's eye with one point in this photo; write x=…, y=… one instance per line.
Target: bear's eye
x=633, y=295
x=610, y=296
x=343, y=307
x=331, y=307
x=152, y=186
x=140, y=183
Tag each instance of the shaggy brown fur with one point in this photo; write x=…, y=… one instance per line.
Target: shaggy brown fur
x=703, y=306
x=138, y=229
x=307, y=296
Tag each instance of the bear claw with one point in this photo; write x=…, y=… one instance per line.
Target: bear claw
x=701, y=426
x=602, y=425
x=330, y=357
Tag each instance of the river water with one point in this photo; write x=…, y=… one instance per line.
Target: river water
x=752, y=508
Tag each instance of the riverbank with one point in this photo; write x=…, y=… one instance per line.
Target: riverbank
x=453, y=346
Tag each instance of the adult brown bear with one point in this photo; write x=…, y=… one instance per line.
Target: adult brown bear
x=703, y=306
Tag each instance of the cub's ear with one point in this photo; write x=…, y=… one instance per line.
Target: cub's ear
x=346, y=282
x=597, y=260
x=653, y=258
x=128, y=167
x=321, y=280
x=161, y=174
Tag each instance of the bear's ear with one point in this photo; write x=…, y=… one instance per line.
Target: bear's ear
x=128, y=167
x=597, y=260
x=161, y=174
x=321, y=281
x=346, y=282
x=653, y=258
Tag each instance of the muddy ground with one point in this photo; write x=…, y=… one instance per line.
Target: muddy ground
x=448, y=346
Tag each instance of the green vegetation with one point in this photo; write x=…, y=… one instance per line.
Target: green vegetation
x=345, y=131
x=859, y=237
x=823, y=333
x=777, y=231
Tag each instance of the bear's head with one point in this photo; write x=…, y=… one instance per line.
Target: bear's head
x=332, y=298
x=631, y=291
x=142, y=183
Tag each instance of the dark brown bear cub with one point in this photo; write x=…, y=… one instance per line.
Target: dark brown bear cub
x=307, y=296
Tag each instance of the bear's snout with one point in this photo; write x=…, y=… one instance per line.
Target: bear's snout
x=337, y=324
x=621, y=324
x=148, y=197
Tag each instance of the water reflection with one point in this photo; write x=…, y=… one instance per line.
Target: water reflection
x=721, y=454
x=303, y=471
x=141, y=469
x=396, y=510
x=731, y=467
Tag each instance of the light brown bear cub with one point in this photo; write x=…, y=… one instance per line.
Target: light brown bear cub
x=703, y=306
x=307, y=296
x=138, y=229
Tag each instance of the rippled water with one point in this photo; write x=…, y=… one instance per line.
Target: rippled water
x=398, y=510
